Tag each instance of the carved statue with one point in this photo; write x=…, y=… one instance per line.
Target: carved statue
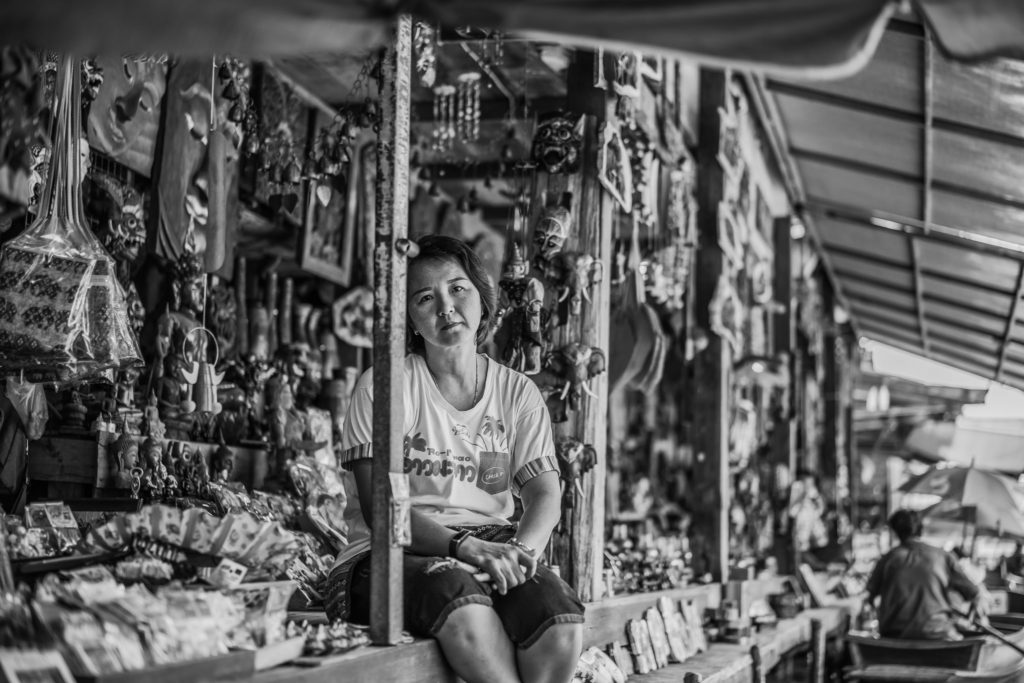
x=575, y=459
x=74, y=412
x=573, y=366
x=154, y=427
x=521, y=308
x=574, y=274
x=122, y=230
x=553, y=229
x=223, y=463
x=177, y=348
x=126, y=458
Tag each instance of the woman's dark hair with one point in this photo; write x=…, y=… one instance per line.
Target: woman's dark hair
x=906, y=524
x=451, y=250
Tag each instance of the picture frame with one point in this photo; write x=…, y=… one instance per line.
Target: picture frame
x=34, y=666
x=727, y=313
x=614, y=170
x=730, y=239
x=730, y=155
x=652, y=70
x=627, y=75
x=763, y=212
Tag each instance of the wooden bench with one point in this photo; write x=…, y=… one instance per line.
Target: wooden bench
x=422, y=661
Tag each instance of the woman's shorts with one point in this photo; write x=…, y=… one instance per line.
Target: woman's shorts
x=436, y=586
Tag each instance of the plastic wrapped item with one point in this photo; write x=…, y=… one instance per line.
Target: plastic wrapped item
x=63, y=315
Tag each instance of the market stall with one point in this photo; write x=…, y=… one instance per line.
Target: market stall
x=235, y=258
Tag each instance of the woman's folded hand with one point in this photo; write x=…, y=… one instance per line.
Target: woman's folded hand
x=506, y=565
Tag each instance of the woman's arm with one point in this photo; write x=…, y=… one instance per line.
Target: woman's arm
x=542, y=508
x=507, y=566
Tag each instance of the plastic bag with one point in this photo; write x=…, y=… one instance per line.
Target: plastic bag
x=62, y=312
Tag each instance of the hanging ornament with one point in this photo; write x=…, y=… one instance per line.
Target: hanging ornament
x=424, y=41
x=444, y=117
x=468, y=106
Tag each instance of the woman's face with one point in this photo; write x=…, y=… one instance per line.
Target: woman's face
x=443, y=305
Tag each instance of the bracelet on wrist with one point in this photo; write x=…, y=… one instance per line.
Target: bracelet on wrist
x=456, y=541
x=522, y=546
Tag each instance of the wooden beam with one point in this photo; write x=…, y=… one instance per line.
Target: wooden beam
x=1011, y=320
x=915, y=260
x=784, y=433
x=389, y=287
x=868, y=168
x=926, y=187
x=941, y=124
x=710, y=529
x=961, y=237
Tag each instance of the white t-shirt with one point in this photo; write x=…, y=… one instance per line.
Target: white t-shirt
x=464, y=466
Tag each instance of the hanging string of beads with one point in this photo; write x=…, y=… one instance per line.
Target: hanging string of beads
x=469, y=106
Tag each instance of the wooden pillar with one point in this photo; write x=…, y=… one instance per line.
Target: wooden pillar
x=817, y=672
x=832, y=429
x=711, y=372
x=756, y=665
x=390, y=246
x=783, y=336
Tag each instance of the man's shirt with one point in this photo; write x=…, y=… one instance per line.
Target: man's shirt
x=914, y=580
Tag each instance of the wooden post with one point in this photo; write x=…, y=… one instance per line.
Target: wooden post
x=817, y=672
x=710, y=531
x=783, y=437
x=756, y=666
x=830, y=446
x=389, y=271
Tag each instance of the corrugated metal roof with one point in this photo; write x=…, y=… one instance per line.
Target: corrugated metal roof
x=912, y=178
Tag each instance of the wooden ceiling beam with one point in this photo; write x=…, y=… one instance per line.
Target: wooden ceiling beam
x=855, y=166
x=959, y=237
x=1011, y=320
x=926, y=189
x=809, y=94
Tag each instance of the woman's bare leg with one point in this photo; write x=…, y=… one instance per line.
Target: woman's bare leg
x=552, y=659
x=477, y=647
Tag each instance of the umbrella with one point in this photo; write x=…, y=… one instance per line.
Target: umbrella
x=989, y=500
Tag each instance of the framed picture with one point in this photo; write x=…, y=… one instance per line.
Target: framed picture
x=652, y=69
x=614, y=170
x=27, y=666
x=765, y=220
x=727, y=313
x=628, y=74
x=729, y=155
x=730, y=241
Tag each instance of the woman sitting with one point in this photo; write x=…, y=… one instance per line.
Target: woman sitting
x=476, y=434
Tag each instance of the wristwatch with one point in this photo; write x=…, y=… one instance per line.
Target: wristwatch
x=455, y=541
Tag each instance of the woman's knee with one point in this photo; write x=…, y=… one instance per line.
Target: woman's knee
x=563, y=638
